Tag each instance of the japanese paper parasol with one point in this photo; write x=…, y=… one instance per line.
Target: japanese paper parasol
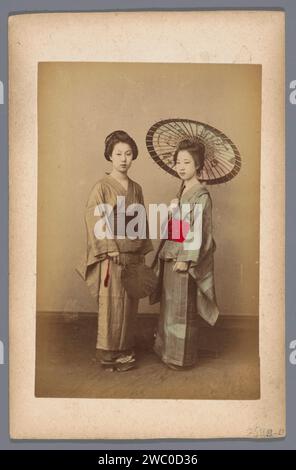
x=222, y=158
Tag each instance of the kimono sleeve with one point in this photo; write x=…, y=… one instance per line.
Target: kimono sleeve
x=100, y=246
x=202, y=241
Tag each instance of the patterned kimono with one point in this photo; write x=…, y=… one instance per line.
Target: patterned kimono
x=116, y=310
x=185, y=295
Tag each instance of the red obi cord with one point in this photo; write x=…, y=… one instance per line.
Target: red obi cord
x=107, y=277
x=178, y=230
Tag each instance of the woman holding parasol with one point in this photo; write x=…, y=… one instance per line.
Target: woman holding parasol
x=187, y=279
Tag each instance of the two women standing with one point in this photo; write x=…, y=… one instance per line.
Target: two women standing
x=187, y=284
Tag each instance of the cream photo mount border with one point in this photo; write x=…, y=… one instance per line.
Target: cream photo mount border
x=228, y=37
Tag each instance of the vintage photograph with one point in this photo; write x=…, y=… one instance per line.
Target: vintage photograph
x=146, y=225
x=148, y=231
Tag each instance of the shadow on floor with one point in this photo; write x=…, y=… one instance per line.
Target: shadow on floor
x=228, y=367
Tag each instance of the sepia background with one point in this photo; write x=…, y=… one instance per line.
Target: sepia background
x=79, y=104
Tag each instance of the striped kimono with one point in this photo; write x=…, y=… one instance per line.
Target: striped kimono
x=116, y=310
x=185, y=295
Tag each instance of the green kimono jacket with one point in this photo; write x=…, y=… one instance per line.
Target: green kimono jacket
x=201, y=259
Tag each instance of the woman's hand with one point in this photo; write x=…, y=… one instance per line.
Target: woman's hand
x=174, y=204
x=180, y=266
x=114, y=255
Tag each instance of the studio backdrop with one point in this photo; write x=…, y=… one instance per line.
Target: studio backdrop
x=79, y=104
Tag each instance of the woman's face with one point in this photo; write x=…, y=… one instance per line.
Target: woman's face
x=121, y=157
x=185, y=165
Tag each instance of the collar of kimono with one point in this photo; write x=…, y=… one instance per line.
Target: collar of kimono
x=192, y=192
x=129, y=193
x=116, y=184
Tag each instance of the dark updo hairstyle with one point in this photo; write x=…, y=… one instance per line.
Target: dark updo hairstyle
x=116, y=137
x=196, y=149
